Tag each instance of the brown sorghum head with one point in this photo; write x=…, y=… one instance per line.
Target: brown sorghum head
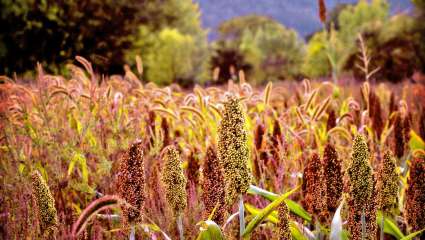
x=233, y=151
x=174, y=180
x=193, y=167
x=387, y=186
x=283, y=225
x=313, y=188
x=277, y=133
x=376, y=114
x=361, y=191
x=393, y=105
x=333, y=177
x=46, y=211
x=260, y=130
x=322, y=11
x=213, y=187
x=331, y=123
x=415, y=195
x=398, y=136
x=131, y=183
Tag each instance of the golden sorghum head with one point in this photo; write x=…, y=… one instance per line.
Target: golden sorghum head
x=213, y=187
x=233, y=151
x=313, y=188
x=415, y=195
x=283, y=225
x=47, y=215
x=361, y=193
x=174, y=180
x=388, y=184
x=131, y=183
x=333, y=177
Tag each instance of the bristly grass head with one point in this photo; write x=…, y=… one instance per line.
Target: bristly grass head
x=174, y=180
x=233, y=151
x=46, y=210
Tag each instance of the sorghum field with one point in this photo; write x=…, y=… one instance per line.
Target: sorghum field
x=94, y=157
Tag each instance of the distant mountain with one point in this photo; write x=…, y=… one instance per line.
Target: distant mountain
x=298, y=14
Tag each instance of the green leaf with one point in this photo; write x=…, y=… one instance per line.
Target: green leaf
x=293, y=206
x=210, y=231
x=81, y=159
x=412, y=235
x=295, y=232
x=273, y=217
x=416, y=142
x=266, y=212
x=389, y=226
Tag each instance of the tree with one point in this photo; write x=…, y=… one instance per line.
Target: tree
x=179, y=49
x=269, y=50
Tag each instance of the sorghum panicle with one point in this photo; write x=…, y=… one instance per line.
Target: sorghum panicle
x=233, y=152
x=283, y=225
x=174, y=181
x=387, y=186
x=46, y=211
x=313, y=187
x=415, y=195
x=361, y=191
x=331, y=123
x=376, y=114
x=213, y=187
x=131, y=183
x=333, y=177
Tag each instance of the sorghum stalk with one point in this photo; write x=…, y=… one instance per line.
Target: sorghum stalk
x=175, y=184
x=233, y=151
x=361, y=202
x=46, y=211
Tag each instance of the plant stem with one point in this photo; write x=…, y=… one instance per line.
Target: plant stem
x=382, y=227
x=241, y=216
x=132, y=232
x=180, y=226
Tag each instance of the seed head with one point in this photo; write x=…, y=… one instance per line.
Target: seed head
x=375, y=113
x=233, y=152
x=333, y=177
x=415, y=195
x=313, y=187
x=361, y=192
x=322, y=11
x=213, y=187
x=174, y=181
x=283, y=225
x=331, y=123
x=388, y=184
x=46, y=211
x=131, y=183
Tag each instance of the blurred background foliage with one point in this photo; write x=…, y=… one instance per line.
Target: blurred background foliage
x=169, y=37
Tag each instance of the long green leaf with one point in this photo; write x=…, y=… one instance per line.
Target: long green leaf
x=416, y=142
x=412, y=235
x=266, y=212
x=389, y=226
x=210, y=231
x=294, y=207
x=273, y=217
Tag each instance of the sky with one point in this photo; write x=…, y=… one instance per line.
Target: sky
x=298, y=14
